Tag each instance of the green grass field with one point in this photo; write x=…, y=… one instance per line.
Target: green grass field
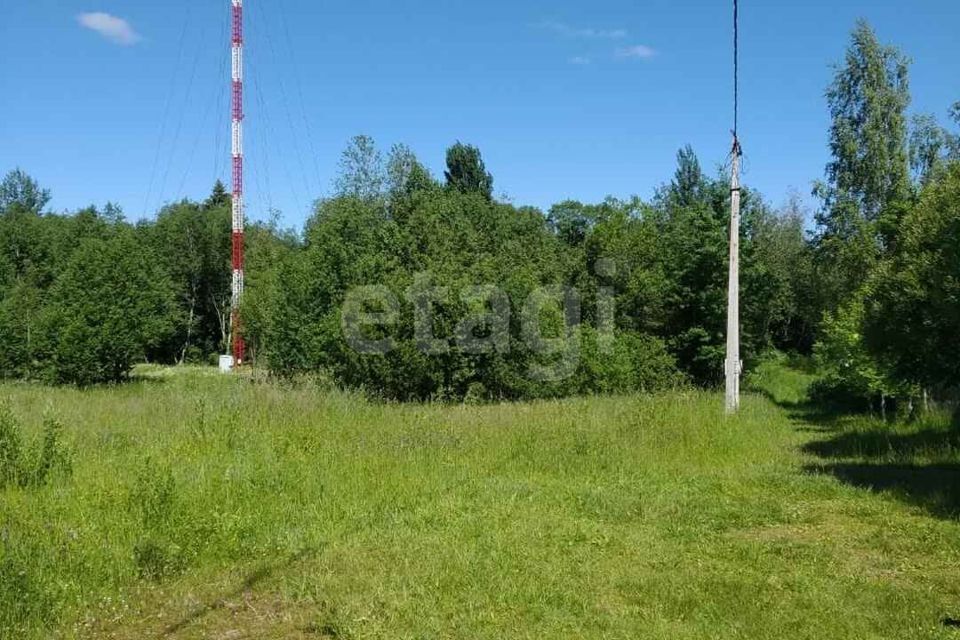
x=202, y=506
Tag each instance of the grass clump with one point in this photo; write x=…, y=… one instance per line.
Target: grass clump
x=30, y=467
x=28, y=599
x=11, y=448
x=153, y=498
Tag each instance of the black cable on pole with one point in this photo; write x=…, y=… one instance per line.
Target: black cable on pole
x=736, y=77
x=736, y=65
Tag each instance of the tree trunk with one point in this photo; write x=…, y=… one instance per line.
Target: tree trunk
x=186, y=345
x=223, y=318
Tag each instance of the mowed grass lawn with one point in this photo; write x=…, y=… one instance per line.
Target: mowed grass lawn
x=203, y=506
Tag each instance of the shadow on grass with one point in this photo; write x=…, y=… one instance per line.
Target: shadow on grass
x=881, y=443
x=248, y=583
x=919, y=467
x=934, y=487
x=917, y=463
x=809, y=416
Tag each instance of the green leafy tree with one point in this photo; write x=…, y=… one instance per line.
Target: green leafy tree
x=466, y=172
x=19, y=188
x=405, y=173
x=868, y=181
x=931, y=147
x=362, y=171
x=689, y=186
x=193, y=245
x=21, y=309
x=572, y=220
x=108, y=306
x=868, y=135
x=691, y=224
x=688, y=233
x=850, y=375
x=28, y=258
x=219, y=198
x=267, y=247
x=407, y=181
x=622, y=252
x=779, y=278
x=912, y=314
x=867, y=193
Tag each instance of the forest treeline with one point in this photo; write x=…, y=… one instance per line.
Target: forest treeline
x=872, y=289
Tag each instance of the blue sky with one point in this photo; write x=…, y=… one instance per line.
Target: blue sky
x=566, y=99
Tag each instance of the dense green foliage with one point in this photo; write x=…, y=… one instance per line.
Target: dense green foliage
x=488, y=300
x=456, y=275
x=85, y=296
x=885, y=250
x=913, y=300
x=192, y=244
x=413, y=288
x=109, y=303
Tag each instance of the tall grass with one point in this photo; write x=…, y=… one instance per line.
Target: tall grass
x=205, y=506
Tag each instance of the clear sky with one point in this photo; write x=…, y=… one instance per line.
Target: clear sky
x=127, y=101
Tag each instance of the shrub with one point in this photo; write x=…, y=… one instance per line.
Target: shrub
x=157, y=555
x=52, y=455
x=28, y=598
x=153, y=495
x=109, y=304
x=628, y=362
x=852, y=377
x=11, y=448
x=31, y=468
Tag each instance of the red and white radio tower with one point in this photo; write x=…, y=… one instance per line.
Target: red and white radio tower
x=237, y=153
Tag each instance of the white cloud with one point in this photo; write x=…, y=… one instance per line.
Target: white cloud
x=112, y=28
x=640, y=51
x=583, y=32
x=580, y=60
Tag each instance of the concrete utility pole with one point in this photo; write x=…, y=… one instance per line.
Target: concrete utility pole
x=733, y=365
